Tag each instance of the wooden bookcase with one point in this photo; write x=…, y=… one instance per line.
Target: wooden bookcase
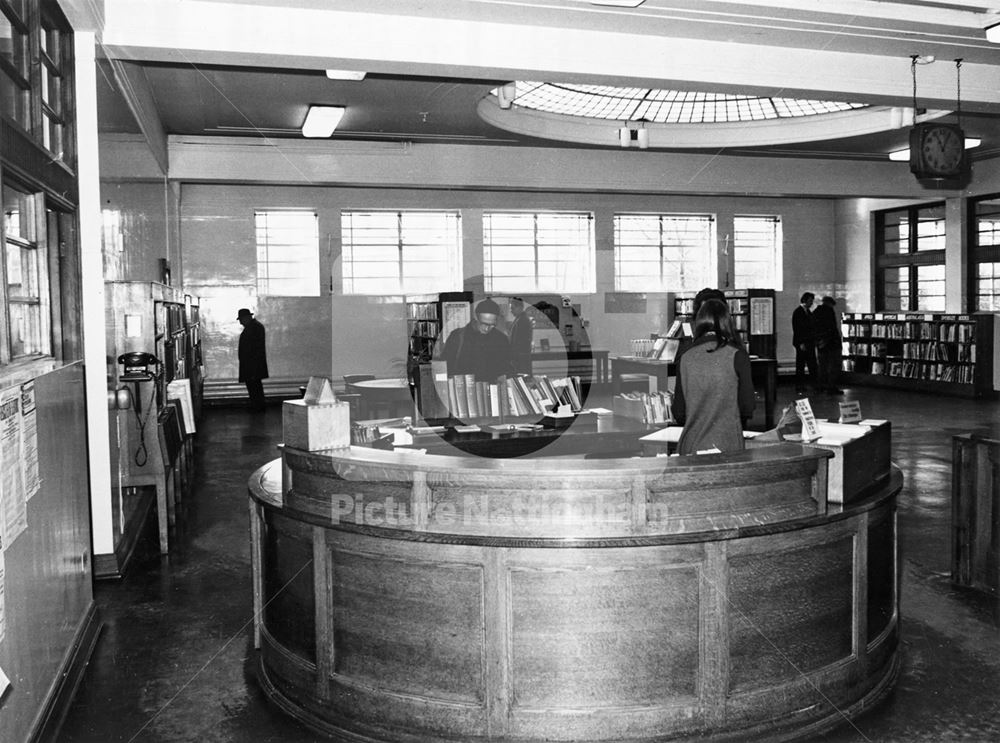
x=945, y=353
x=753, y=313
x=427, y=322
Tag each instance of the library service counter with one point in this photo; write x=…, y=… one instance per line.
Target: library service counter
x=403, y=596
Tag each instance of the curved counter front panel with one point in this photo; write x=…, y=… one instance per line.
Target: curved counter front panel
x=406, y=597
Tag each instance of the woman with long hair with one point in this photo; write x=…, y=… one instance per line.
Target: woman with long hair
x=713, y=396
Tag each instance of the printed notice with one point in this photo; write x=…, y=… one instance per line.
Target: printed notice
x=850, y=411
x=454, y=315
x=810, y=428
x=29, y=440
x=761, y=315
x=14, y=506
x=3, y=597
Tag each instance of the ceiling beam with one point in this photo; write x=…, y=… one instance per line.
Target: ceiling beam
x=135, y=88
x=199, y=32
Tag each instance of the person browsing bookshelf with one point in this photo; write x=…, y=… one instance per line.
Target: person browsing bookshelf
x=478, y=348
x=713, y=395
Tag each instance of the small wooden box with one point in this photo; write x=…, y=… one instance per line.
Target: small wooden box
x=318, y=426
x=858, y=465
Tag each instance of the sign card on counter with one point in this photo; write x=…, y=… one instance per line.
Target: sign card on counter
x=850, y=412
x=810, y=428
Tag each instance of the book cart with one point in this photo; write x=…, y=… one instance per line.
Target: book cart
x=946, y=353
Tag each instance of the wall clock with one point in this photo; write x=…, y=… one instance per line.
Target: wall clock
x=937, y=151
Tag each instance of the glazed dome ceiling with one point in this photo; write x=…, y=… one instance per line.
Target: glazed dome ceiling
x=598, y=114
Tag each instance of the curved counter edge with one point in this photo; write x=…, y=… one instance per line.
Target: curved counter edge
x=763, y=631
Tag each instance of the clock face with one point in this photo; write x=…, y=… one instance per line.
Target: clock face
x=940, y=150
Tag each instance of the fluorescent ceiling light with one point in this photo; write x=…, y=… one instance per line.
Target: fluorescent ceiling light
x=635, y=4
x=993, y=33
x=903, y=156
x=322, y=120
x=346, y=74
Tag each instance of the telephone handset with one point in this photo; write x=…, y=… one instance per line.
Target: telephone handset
x=135, y=369
x=136, y=365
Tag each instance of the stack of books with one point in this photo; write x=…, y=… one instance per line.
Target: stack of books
x=521, y=395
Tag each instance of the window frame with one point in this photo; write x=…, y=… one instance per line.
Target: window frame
x=451, y=254
x=776, y=272
x=38, y=301
x=661, y=282
x=586, y=274
x=909, y=260
x=980, y=254
x=263, y=281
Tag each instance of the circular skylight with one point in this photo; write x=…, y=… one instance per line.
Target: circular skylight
x=660, y=106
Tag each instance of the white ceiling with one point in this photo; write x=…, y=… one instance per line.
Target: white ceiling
x=251, y=67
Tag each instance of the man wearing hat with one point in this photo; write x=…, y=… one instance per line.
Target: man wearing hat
x=479, y=348
x=253, y=358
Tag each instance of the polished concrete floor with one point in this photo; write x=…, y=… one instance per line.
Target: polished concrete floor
x=174, y=661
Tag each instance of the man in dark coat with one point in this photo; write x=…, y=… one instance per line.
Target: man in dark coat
x=253, y=359
x=479, y=348
x=828, y=345
x=804, y=340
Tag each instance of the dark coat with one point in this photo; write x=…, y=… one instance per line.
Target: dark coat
x=803, y=330
x=487, y=355
x=826, y=326
x=252, y=353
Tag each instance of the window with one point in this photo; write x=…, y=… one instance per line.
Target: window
x=287, y=253
x=14, y=85
x=401, y=252
x=25, y=277
x=757, y=252
x=538, y=252
x=910, y=259
x=35, y=90
x=663, y=252
x=984, y=258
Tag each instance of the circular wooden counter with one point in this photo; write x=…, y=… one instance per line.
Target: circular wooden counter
x=411, y=597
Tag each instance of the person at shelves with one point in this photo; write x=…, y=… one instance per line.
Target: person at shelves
x=804, y=340
x=521, y=334
x=713, y=395
x=252, y=356
x=479, y=348
x=828, y=345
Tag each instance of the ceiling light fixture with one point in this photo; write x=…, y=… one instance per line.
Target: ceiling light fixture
x=346, y=74
x=321, y=121
x=993, y=33
x=618, y=3
x=903, y=156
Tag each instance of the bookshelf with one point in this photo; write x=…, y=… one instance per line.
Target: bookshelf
x=945, y=353
x=753, y=313
x=430, y=318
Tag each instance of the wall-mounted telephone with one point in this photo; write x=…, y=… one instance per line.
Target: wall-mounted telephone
x=135, y=369
x=136, y=366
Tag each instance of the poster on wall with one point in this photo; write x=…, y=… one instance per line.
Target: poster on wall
x=761, y=316
x=454, y=315
x=3, y=599
x=29, y=440
x=14, y=505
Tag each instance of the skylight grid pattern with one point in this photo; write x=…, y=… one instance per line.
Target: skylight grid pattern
x=401, y=252
x=527, y=252
x=287, y=253
x=663, y=252
x=665, y=106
